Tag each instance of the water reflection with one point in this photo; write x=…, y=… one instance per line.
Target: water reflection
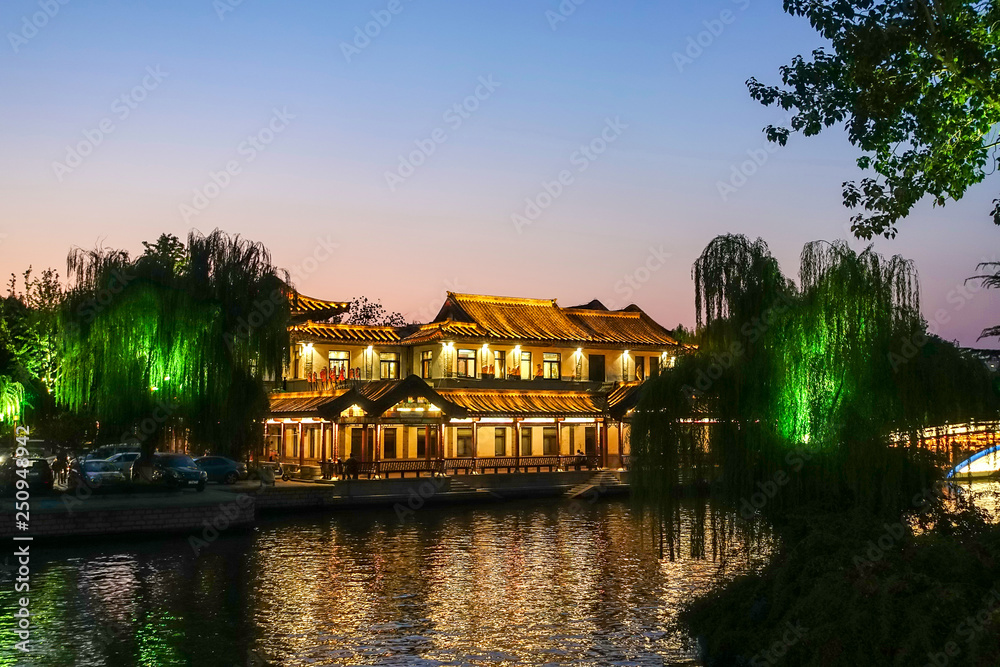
x=514, y=584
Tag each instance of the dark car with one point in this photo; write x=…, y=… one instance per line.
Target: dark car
x=222, y=470
x=173, y=471
x=37, y=473
x=94, y=474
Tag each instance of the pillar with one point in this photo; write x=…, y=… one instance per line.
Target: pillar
x=322, y=441
x=517, y=444
x=427, y=442
x=302, y=444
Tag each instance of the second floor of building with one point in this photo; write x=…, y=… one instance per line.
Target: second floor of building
x=483, y=340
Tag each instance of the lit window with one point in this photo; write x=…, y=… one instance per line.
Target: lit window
x=526, y=365
x=550, y=365
x=463, y=442
x=500, y=441
x=389, y=365
x=550, y=441
x=426, y=359
x=499, y=363
x=466, y=363
x=340, y=362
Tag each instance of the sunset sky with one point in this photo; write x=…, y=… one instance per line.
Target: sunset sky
x=308, y=119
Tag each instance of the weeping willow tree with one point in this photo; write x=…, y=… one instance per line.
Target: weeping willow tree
x=807, y=387
x=180, y=338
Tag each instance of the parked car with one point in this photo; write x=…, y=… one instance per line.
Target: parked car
x=222, y=470
x=94, y=474
x=107, y=451
x=123, y=462
x=173, y=470
x=38, y=474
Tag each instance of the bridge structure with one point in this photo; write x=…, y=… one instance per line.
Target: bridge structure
x=972, y=448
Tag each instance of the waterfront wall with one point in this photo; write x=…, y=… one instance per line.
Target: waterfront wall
x=241, y=505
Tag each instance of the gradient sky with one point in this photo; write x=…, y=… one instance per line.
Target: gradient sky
x=654, y=192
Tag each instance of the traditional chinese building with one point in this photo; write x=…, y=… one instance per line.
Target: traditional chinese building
x=491, y=383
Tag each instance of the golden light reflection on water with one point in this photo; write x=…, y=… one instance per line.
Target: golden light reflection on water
x=517, y=584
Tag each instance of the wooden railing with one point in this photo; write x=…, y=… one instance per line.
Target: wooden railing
x=466, y=465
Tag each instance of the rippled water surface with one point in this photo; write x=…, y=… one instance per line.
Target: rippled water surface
x=528, y=583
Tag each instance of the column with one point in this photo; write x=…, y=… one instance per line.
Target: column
x=475, y=441
x=364, y=440
x=517, y=444
x=302, y=444
x=322, y=441
x=621, y=427
x=427, y=442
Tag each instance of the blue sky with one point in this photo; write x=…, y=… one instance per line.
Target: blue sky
x=625, y=227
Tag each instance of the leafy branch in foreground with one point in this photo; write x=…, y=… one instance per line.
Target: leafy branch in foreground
x=915, y=83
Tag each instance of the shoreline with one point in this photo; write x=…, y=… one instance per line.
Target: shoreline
x=66, y=515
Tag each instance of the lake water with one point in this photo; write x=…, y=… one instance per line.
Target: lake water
x=524, y=583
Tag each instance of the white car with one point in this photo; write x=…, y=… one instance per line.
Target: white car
x=123, y=462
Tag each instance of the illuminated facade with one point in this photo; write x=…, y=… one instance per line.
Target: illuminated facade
x=491, y=382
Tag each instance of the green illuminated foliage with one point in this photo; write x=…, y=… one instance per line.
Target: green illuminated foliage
x=179, y=339
x=830, y=371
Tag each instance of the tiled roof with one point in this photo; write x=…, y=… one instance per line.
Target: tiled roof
x=625, y=327
x=296, y=403
x=377, y=397
x=524, y=403
x=514, y=318
x=306, y=307
x=429, y=333
x=350, y=333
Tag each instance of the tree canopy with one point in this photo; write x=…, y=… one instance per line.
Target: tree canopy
x=917, y=86
x=179, y=338
x=838, y=367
